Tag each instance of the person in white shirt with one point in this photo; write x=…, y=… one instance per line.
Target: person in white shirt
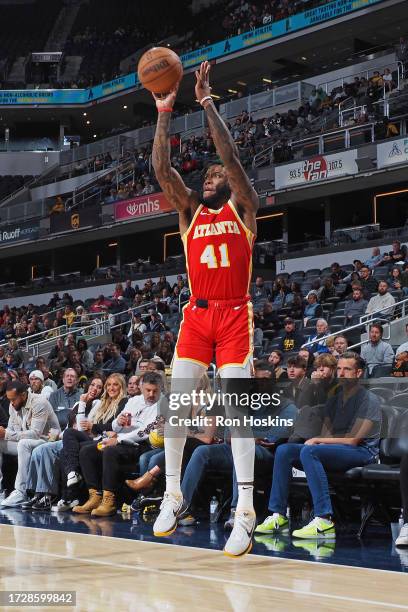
x=382, y=303
x=102, y=466
x=37, y=385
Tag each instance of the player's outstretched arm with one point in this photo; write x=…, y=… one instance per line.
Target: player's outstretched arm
x=243, y=192
x=177, y=193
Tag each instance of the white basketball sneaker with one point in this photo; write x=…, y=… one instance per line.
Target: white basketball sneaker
x=240, y=541
x=170, y=509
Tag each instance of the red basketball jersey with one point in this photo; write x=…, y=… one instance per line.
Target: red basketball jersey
x=218, y=250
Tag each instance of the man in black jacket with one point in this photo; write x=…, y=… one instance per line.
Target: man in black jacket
x=4, y=402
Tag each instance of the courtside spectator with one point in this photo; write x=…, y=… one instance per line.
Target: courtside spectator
x=31, y=420
x=101, y=469
x=382, y=303
x=37, y=386
x=64, y=399
x=349, y=438
x=133, y=386
x=376, y=351
x=4, y=402
x=291, y=339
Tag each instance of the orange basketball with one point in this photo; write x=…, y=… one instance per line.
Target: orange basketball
x=159, y=70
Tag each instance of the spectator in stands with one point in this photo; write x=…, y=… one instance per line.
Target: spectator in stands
x=259, y=292
x=301, y=390
x=404, y=346
x=17, y=355
x=155, y=324
x=376, y=351
x=382, y=303
x=355, y=307
x=275, y=359
x=67, y=395
x=387, y=80
x=320, y=345
x=357, y=267
x=340, y=346
x=375, y=259
x=102, y=470
x=116, y=363
x=129, y=293
x=312, y=309
x=69, y=315
x=337, y=274
x=291, y=339
x=398, y=253
x=58, y=206
x=100, y=305
x=36, y=379
x=30, y=421
x=267, y=319
x=327, y=290
x=395, y=280
x=400, y=365
x=368, y=283
x=349, y=438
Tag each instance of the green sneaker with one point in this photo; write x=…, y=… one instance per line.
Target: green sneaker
x=315, y=530
x=273, y=523
x=272, y=543
x=319, y=549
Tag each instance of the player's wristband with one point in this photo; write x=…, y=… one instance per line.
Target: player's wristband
x=165, y=110
x=205, y=100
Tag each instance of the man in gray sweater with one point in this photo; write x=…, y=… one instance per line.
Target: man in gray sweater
x=376, y=351
x=30, y=422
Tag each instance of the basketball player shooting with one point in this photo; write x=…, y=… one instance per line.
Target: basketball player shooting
x=218, y=230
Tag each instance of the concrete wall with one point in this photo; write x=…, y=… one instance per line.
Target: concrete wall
x=27, y=162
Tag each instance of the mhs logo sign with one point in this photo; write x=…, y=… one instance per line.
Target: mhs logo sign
x=135, y=209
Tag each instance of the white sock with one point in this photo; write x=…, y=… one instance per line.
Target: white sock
x=243, y=452
x=185, y=377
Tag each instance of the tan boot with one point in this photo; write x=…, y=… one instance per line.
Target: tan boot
x=145, y=482
x=108, y=505
x=95, y=499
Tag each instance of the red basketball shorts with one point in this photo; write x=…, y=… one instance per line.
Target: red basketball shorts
x=224, y=327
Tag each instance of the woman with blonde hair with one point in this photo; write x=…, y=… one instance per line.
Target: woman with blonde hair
x=16, y=353
x=91, y=428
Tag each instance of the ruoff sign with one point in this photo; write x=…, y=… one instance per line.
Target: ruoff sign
x=316, y=168
x=16, y=233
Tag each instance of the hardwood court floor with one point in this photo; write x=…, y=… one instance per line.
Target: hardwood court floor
x=110, y=573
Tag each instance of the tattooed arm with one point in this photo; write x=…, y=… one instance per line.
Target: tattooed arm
x=183, y=199
x=243, y=195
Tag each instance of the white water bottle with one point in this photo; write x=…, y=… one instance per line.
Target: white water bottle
x=80, y=415
x=213, y=509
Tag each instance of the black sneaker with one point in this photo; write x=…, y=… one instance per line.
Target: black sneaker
x=44, y=504
x=28, y=505
x=142, y=501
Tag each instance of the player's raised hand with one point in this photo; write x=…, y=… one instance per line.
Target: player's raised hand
x=166, y=101
x=202, y=87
